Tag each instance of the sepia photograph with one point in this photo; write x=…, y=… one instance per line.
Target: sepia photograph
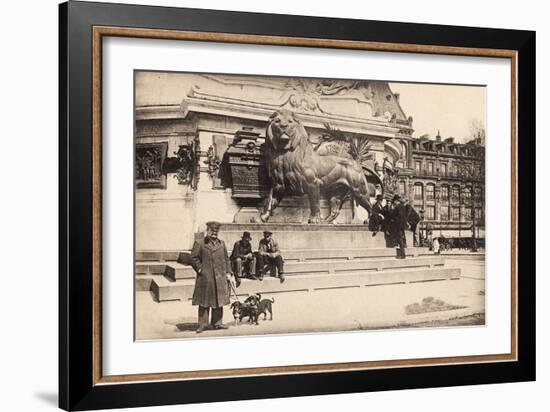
x=276, y=205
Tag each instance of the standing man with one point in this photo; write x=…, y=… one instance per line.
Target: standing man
x=242, y=259
x=413, y=219
x=210, y=261
x=376, y=220
x=269, y=254
x=399, y=225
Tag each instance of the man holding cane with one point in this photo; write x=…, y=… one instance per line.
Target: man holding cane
x=212, y=286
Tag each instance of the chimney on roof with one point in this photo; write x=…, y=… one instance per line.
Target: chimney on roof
x=438, y=137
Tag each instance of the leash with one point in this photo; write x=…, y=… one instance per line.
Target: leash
x=234, y=291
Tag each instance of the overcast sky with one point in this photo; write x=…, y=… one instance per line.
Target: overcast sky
x=442, y=107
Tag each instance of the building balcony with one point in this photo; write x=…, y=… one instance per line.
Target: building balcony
x=448, y=176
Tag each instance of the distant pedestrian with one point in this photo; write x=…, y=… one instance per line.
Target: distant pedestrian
x=436, y=246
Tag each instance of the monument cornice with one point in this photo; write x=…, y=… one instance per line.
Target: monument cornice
x=381, y=128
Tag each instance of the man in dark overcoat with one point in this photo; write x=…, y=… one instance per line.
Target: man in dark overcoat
x=376, y=221
x=399, y=225
x=243, y=260
x=211, y=263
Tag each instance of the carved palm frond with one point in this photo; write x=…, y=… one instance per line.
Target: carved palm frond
x=360, y=148
x=334, y=134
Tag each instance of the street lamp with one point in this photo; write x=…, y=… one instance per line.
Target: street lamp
x=474, y=243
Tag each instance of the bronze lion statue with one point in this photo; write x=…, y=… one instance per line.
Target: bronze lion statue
x=295, y=167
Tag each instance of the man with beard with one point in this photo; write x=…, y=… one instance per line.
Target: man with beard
x=211, y=263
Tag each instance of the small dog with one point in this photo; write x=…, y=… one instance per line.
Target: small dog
x=242, y=310
x=263, y=305
x=253, y=300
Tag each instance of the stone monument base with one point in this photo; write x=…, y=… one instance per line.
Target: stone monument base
x=295, y=209
x=291, y=236
x=317, y=257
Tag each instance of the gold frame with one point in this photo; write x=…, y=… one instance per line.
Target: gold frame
x=101, y=31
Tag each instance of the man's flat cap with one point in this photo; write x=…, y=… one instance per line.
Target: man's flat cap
x=213, y=225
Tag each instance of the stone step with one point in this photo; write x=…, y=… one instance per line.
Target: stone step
x=157, y=255
x=175, y=271
x=338, y=266
x=302, y=255
x=165, y=290
x=152, y=268
x=143, y=282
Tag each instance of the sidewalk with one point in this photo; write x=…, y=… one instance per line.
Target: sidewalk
x=362, y=308
x=463, y=252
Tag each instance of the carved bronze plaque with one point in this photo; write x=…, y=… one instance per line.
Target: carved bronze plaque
x=148, y=165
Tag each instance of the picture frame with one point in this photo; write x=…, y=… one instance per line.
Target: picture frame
x=82, y=383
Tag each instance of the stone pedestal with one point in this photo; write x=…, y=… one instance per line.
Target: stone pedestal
x=295, y=209
x=247, y=214
x=301, y=236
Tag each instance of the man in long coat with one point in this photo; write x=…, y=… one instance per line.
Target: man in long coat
x=376, y=221
x=211, y=263
x=399, y=225
x=413, y=219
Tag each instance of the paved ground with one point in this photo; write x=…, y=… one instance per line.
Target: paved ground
x=372, y=307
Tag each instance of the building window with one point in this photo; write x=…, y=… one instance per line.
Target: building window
x=455, y=169
x=455, y=213
x=444, y=213
x=430, y=192
x=418, y=191
x=430, y=167
x=444, y=193
x=455, y=194
x=466, y=195
x=403, y=150
x=430, y=213
x=479, y=215
x=467, y=214
x=402, y=188
x=418, y=166
x=443, y=169
x=400, y=164
x=477, y=193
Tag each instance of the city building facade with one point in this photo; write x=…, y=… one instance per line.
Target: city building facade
x=445, y=181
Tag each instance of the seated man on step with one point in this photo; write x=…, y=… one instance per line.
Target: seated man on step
x=269, y=256
x=243, y=260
